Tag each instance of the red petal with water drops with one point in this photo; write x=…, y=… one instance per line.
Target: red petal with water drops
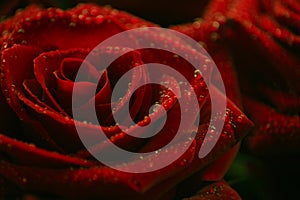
x=275, y=133
x=216, y=191
x=66, y=27
x=276, y=56
x=263, y=36
x=29, y=155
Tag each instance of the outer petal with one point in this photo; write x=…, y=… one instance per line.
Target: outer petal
x=216, y=191
x=29, y=155
x=265, y=43
x=67, y=27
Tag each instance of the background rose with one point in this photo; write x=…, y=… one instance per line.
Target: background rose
x=265, y=41
x=38, y=91
x=264, y=38
x=260, y=41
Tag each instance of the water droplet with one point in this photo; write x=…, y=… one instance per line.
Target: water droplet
x=197, y=72
x=240, y=118
x=5, y=44
x=84, y=11
x=151, y=164
x=24, y=180
x=155, y=107
x=183, y=162
x=72, y=24
x=197, y=24
x=220, y=18
x=278, y=32
x=204, y=67
x=99, y=19
x=201, y=97
x=216, y=25
x=80, y=17
x=21, y=30
x=88, y=20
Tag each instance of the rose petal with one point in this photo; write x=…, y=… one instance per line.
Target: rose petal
x=216, y=191
x=285, y=15
x=84, y=181
x=29, y=155
x=72, y=23
x=35, y=93
x=275, y=133
x=12, y=80
x=264, y=46
x=44, y=67
x=9, y=123
x=284, y=102
x=7, y=26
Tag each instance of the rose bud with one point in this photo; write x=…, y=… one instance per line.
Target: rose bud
x=43, y=54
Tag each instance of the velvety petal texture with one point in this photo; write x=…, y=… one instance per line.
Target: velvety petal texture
x=264, y=37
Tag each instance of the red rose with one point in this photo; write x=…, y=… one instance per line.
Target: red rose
x=259, y=39
x=263, y=36
x=258, y=42
x=42, y=50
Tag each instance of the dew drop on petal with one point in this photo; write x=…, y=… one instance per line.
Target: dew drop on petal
x=197, y=72
x=24, y=180
x=196, y=24
x=240, y=118
x=99, y=19
x=21, y=30
x=72, y=24
x=216, y=25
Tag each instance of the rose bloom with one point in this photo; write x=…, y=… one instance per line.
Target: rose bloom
x=258, y=42
x=261, y=40
x=40, y=150
x=264, y=39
